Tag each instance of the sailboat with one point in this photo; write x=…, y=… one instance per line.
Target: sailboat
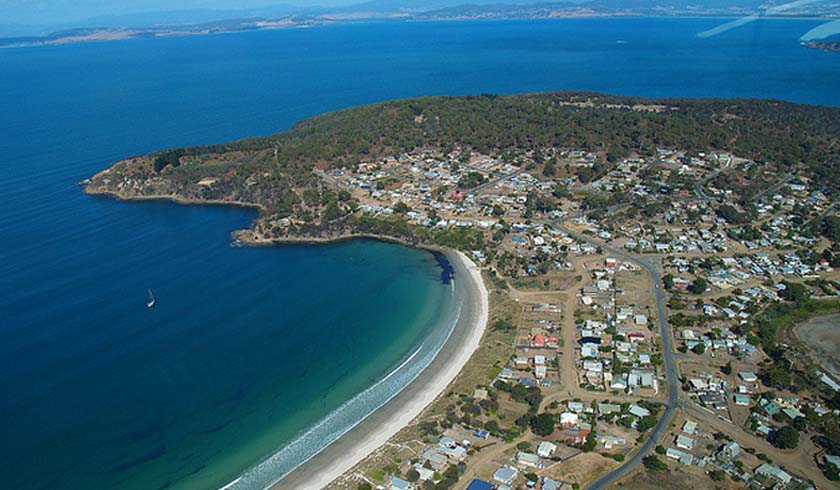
x=151, y=302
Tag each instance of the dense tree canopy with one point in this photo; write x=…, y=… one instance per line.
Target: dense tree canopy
x=765, y=130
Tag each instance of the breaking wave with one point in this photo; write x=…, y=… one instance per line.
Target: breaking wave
x=343, y=419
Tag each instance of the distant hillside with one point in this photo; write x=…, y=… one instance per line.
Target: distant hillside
x=194, y=20
x=826, y=45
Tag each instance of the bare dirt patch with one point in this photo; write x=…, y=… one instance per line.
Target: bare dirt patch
x=822, y=335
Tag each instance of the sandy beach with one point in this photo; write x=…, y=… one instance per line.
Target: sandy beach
x=373, y=432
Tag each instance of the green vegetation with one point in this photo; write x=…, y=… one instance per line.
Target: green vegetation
x=653, y=464
x=786, y=438
x=717, y=475
x=472, y=179
x=780, y=316
x=590, y=443
x=275, y=172
x=543, y=424
x=698, y=286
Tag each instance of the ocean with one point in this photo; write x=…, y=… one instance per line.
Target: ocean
x=250, y=349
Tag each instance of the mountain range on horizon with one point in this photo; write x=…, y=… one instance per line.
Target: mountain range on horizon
x=220, y=15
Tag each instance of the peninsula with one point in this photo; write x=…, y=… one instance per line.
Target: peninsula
x=642, y=264
x=209, y=21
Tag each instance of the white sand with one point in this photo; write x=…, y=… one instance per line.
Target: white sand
x=353, y=448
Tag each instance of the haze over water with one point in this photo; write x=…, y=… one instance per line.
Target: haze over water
x=248, y=347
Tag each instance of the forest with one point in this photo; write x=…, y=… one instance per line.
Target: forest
x=783, y=133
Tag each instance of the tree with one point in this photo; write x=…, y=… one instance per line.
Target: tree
x=646, y=423
x=794, y=291
x=542, y=424
x=589, y=444
x=364, y=486
x=831, y=471
x=698, y=286
x=717, y=475
x=786, y=438
x=668, y=281
x=401, y=208
x=549, y=169
x=727, y=368
x=831, y=228
x=731, y=215
x=412, y=475
x=654, y=464
x=699, y=348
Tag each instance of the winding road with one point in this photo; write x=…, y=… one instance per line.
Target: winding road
x=667, y=354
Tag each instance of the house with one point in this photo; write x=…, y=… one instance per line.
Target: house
x=748, y=377
x=400, y=484
x=425, y=473
x=436, y=460
x=576, y=407
x=611, y=441
x=455, y=454
x=481, y=434
x=569, y=419
x=506, y=475
x=729, y=452
x=774, y=473
x=640, y=320
x=741, y=400
x=769, y=407
x=574, y=436
x=447, y=442
x=520, y=362
x=477, y=484
x=528, y=459
x=608, y=408
x=685, y=442
x=546, y=449
x=681, y=456
x=639, y=411
x=690, y=427
x=636, y=337
x=551, y=484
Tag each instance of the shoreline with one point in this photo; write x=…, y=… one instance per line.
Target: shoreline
x=116, y=34
x=384, y=422
x=244, y=236
x=374, y=431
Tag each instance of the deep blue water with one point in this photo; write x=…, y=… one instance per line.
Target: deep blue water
x=250, y=346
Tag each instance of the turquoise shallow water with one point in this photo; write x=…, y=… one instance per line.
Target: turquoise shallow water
x=249, y=347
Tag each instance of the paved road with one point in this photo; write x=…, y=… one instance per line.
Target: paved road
x=495, y=181
x=773, y=188
x=667, y=354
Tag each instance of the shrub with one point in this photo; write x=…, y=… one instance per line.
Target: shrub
x=653, y=464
